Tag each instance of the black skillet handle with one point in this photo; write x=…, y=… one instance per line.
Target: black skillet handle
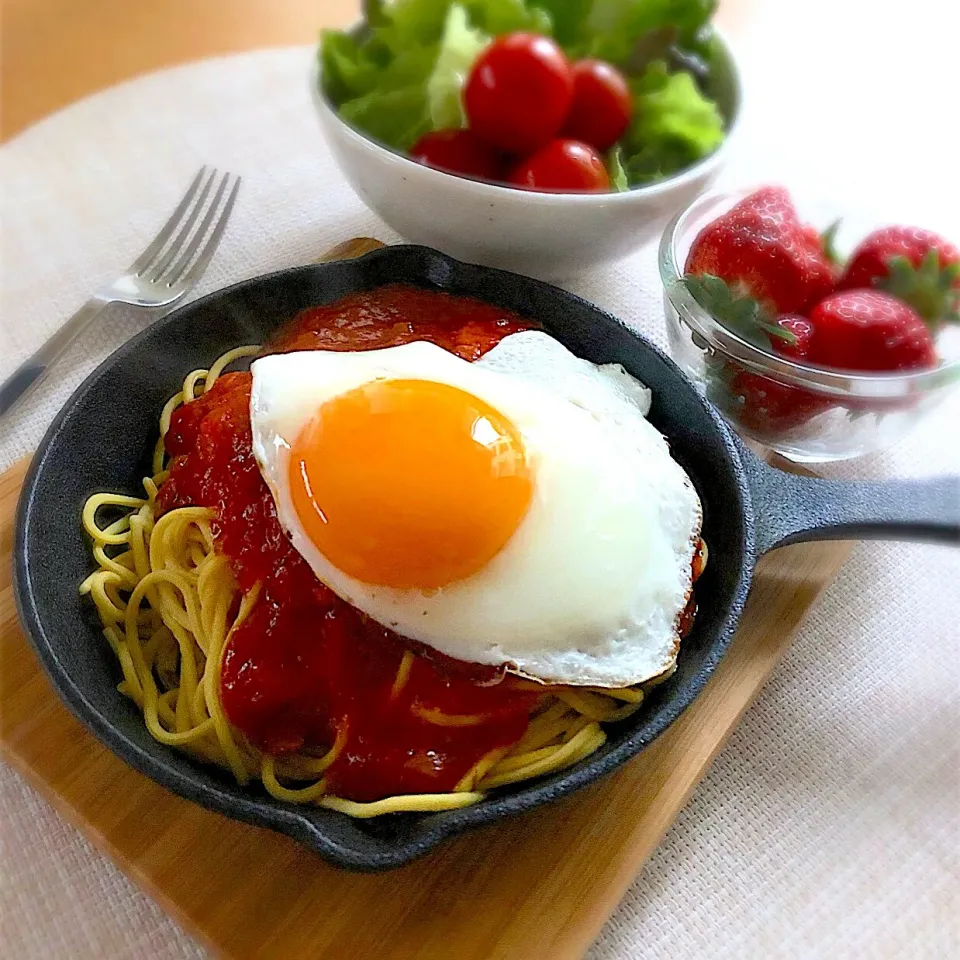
x=790, y=508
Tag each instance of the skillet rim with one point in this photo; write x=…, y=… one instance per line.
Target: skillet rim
x=293, y=820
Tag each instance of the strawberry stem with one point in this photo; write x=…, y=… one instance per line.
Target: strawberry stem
x=828, y=240
x=929, y=288
x=740, y=314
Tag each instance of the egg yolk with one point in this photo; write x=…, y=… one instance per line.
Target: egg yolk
x=409, y=483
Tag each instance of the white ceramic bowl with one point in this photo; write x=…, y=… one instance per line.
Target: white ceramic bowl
x=546, y=234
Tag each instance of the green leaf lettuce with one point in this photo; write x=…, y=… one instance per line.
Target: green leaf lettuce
x=674, y=125
x=618, y=30
x=403, y=75
x=619, y=180
x=459, y=48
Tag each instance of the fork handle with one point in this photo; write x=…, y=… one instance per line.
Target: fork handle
x=25, y=379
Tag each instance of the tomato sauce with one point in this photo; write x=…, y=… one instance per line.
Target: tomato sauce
x=306, y=666
x=689, y=612
x=397, y=314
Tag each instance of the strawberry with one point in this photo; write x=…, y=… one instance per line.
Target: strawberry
x=802, y=330
x=756, y=402
x=762, y=249
x=869, y=330
x=766, y=406
x=763, y=405
x=915, y=265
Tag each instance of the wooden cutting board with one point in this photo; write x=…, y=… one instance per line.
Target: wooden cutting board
x=537, y=886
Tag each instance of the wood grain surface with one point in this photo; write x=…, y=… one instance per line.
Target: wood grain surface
x=57, y=51
x=537, y=886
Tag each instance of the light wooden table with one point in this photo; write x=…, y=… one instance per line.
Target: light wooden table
x=53, y=52
x=56, y=51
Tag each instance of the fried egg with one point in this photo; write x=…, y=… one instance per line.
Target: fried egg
x=519, y=510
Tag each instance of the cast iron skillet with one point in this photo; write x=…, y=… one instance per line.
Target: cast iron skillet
x=102, y=440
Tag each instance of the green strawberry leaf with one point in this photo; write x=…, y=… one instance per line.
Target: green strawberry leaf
x=739, y=313
x=929, y=288
x=829, y=241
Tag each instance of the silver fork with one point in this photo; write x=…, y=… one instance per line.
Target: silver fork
x=160, y=277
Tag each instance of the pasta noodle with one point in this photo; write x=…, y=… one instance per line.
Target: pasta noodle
x=166, y=598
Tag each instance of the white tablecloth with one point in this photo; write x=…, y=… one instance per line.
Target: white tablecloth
x=829, y=824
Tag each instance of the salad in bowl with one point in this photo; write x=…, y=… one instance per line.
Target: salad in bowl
x=571, y=96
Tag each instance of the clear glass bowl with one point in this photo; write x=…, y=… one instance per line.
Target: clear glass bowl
x=813, y=414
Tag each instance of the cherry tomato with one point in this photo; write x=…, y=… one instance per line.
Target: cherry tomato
x=519, y=92
x=601, y=108
x=561, y=165
x=458, y=151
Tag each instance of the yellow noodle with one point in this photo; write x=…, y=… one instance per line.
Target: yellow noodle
x=212, y=687
x=304, y=768
x=409, y=803
x=597, y=707
x=574, y=750
x=543, y=729
x=475, y=775
x=403, y=674
x=120, y=567
x=524, y=759
x=113, y=532
x=190, y=392
x=296, y=795
x=309, y=770
x=441, y=719
x=231, y=356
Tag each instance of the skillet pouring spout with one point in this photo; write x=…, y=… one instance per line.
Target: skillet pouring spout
x=790, y=509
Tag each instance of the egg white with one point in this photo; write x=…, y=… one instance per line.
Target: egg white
x=589, y=588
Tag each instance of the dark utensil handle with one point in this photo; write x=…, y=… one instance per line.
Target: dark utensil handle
x=19, y=384
x=28, y=376
x=790, y=508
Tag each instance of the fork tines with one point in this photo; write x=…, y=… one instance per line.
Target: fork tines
x=183, y=248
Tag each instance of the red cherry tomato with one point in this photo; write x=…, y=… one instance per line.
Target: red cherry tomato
x=601, y=108
x=567, y=165
x=519, y=92
x=458, y=151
